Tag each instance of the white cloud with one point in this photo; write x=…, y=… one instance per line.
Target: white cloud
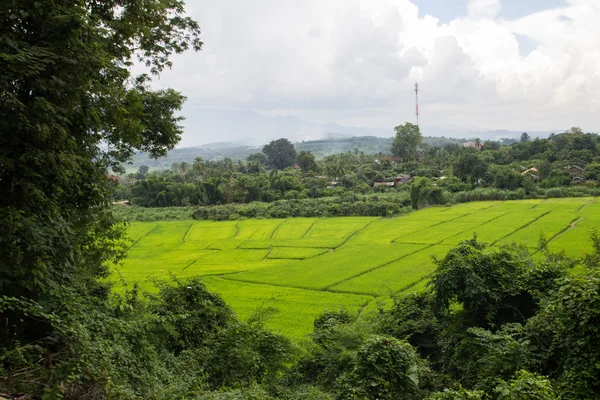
x=354, y=62
x=488, y=9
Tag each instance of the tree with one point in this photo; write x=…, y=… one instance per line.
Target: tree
x=69, y=111
x=279, y=153
x=419, y=190
x=257, y=157
x=387, y=368
x=470, y=168
x=306, y=161
x=527, y=386
x=142, y=171
x=525, y=137
x=490, y=286
x=408, y=138
x=198, y=166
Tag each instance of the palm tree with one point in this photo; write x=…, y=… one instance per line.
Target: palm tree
x=184, y=167
x=198, y=165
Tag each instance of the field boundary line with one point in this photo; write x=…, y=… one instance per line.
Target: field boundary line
x=179, y=245
x=300, y=259
x=187, y=232
x=309, y=228
x=413, y=284
x=290, y=287
x=521, y=228
x=466, y=230
x=328, y=288
x=276, y=229
x=583, y=206
x=302, y=247
x=500, y=202
x=354, y=233
x=541, y=202
x=237, y=229
x=147, y=233
x=572, y=225
x=266, y=255
x=241, y=244
x=189, y=265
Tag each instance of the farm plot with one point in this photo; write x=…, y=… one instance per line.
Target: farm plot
x=294, y=228
x=549, y=225
x=203, y=234
x=294, y=309
x=163, y=238
x=302, y=266
x=329, y=268
x=257, y=229
x=575, y=241
x=395, y=277
x=138, y=230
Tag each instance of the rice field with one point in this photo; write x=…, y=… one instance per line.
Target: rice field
x=296, y=268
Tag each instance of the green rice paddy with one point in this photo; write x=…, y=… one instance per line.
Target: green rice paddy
x=296, y=268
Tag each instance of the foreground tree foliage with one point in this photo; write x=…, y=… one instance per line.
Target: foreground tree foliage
x=69, y=110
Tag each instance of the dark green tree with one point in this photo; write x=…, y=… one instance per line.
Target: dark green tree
x=526, y=386
x=407, y=141
x=419, y=191
x=279, y=153
x=258, y=157
x=387, y=368
x=69, y=111
x=470, y=168
x=525, y=137
x=306, y=161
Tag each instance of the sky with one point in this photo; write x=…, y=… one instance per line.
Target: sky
x=481, y=64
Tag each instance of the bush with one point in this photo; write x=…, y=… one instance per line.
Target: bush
x=380, y=205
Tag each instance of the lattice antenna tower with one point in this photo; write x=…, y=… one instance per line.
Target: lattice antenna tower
x=417, y=102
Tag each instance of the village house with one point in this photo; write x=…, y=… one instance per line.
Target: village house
x=574, y=170
x=384, y=184
x=402, y=179
x=392, y=159
x=529, y=171
x=475, y=145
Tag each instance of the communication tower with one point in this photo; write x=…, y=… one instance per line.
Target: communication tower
x=417, y=102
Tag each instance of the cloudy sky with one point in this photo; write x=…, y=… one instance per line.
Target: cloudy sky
x=485, y=64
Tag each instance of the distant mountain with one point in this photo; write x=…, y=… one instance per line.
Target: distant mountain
x=215, y=134
x=218, y=125
x=249, y=128
x=471, y=133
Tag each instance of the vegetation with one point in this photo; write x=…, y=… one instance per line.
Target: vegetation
x=564, y=165
x=268, y=263
x=279, y=154
x=494, y=322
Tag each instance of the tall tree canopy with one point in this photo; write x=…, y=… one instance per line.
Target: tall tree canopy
x=306, y=161
x=407, y=141
x=69, y=111
x=280, y=153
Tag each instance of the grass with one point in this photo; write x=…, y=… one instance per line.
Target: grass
x=330, y=268
x=301, y=266
x=392, y=278
x=294, y=309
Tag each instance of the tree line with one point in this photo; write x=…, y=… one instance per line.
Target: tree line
x=530, y=168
